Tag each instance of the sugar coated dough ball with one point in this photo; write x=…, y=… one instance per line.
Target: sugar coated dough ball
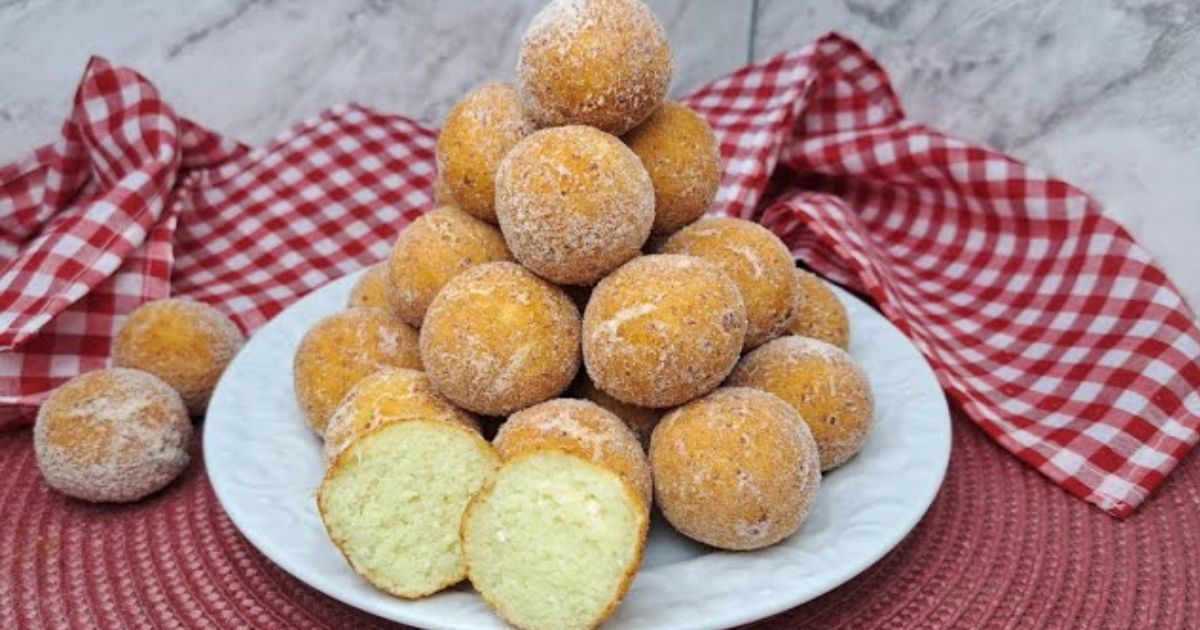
x=574, y=203
x=390, y=395
x=581, y=428
x=737, y=469
x=498, y=338
x=342, y=350
x=183, y=342
x=442, y=195
x=755, y=259
x=372, y=288
x=433, y=249
x=662, y=330
x=681, y=155
x=823, y=383
x=640, y=419
x=603, y=63
x=479, y=131
x=819, y=312
x=112, y=435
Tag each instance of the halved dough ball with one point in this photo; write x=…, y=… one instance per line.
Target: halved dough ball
x=683, y=159
x=498, y=338
x=433, y=249
x=602, y=63
x=640, y=419
x=393, y=501
x=662, y=330
x=186, y=343
x=823, y=383
x=574, y=203
x=819, y=314
x=582, y=428
x=371, y=289
x=388, y=395
x=554, y=541
x=479, y=131
x=755, y=259
x=343, y=349
x=737, y=469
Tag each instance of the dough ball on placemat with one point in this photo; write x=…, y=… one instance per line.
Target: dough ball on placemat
x=823, y=383
x=372, y=288
x=343, y=349
x=681, y=155
x=498, y=338
x=554, y=541
x=662, y=330
x=574, y=203
x=112, y=435
x=479, y=131
x=819, y=312
x=737, y=469
x=392, y=502
x=433, y=249
x=183, y=342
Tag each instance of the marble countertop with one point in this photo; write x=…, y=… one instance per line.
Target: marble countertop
x=1103, y=93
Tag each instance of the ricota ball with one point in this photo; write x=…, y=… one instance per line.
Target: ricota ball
x=602, y=63
x=112, y=436
x=498, y=338
x=819, y=312
x=737, y=469
x=574, y=203
x=186, y=343
x=683, y=159
x=372, y=288
x=479, y=131
x=439, y=245
x=662, y=330
x=755, y=259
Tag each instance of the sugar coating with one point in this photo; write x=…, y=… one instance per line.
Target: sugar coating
x=603, y=63
x=737, y=469
x=681, y=154
x=574, y=203
x=755, y=259
x=389, y=395
x=640, y=419
x=112, y=435
x=498, y=338
x=186, y=343
x=823, y=383
x=442, y=195
x=433, y=249
x=372, y=288
x=581, y=428
x=341, y=350
x=479, y=131
x=662, y=330
x=819, y=312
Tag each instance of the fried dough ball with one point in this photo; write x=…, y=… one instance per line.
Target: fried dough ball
x=662, y=330
x=436, y=247
x=390, y=395
x=342, y=350
x=112, y=436
x=737, y=469
x=581, y=428
x=441, y=192
x=602, y=63
x=498, y=338
x=183, y=342
x=479, y=131
x=823, y=383
x=372, y=288
x=819, y=314
x=681, y=155
x=574, y=203
x=755, y=259
x=640, y=419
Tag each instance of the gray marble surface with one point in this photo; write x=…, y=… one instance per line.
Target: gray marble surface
x=1101, y=92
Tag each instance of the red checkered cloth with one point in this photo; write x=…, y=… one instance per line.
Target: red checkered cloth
x=1044, y=320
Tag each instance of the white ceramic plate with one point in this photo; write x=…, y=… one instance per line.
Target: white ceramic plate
x=265, y=466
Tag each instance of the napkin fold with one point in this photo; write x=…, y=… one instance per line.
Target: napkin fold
x=1043, y=319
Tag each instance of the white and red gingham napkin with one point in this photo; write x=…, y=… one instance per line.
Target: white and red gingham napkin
x=1044, y=320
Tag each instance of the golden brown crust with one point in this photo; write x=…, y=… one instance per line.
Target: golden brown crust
x=372, y=288
x=641, y=420
x=819, y=312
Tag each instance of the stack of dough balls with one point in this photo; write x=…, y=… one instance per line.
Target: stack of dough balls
x=568, y=295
